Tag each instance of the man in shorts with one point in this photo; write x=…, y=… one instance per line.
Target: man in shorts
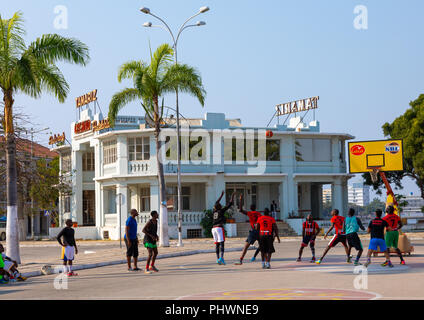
x=131, y=240
x=337, y=223
x=253, y=233
x=352, y=226
x=310, y=230
x=268, y=230
x=376, y=229
x=392, y=237
x=218, y=232
x=69, y=247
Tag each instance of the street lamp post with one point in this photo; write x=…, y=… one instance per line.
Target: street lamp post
x=175, y=43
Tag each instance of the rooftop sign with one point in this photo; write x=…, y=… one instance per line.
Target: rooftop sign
x=86, y=99
x=297, y=106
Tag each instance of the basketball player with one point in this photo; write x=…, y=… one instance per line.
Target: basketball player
x=310, y=230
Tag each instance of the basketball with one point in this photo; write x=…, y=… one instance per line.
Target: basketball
x=269, y=134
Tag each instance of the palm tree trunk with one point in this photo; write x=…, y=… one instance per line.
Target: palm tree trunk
x=12, y=232
x=163, y=210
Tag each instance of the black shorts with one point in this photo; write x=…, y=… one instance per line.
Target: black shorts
x=308, y=239
x=132, y=248
x=354, y=241
x=336, y=239
x=266, y=244
x=253, y=236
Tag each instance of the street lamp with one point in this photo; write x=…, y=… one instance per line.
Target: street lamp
x=175, y=43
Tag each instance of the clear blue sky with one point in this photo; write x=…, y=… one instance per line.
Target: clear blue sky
x=252, y=55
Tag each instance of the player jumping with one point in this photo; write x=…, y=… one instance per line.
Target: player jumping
x=253, y=233
x=337, y=222
x=218, y=227
x=310, y=230
x=352, y=226
x=392, y=237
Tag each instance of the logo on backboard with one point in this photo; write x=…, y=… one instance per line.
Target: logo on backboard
x=357, y=150
x=392, y=147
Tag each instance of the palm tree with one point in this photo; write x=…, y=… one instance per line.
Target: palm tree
x=30, y=70
x=152, y=81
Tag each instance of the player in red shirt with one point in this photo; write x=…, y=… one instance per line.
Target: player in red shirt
x=337, y=223
x=268, y=230
x=310, y=230
x=253, y=233
x=392, y=236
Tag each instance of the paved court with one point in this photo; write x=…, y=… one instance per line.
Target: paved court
x=198, y=277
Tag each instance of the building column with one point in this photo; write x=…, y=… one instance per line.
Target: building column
x=154, y=196
x=122, y=192
x=210, y=195
x=337, y=196
x=282, y=200
x=76, y=203
x=292, y=186
x=122, y=155
x=134, y=199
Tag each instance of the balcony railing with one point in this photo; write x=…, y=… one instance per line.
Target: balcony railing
x=189, y=218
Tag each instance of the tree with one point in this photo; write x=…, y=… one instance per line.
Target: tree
x=410, y=128
x=150, y=82
x=30, y=70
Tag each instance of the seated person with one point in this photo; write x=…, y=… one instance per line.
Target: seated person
x=10, y=267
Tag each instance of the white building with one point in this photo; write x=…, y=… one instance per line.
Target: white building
x=290, y=168
x=359, y=194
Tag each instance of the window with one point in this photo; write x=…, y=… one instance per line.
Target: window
x=88, y=161
x=272, y=150
x=109, y=152
x=318, y=150
x=67, y=204
x=145, y=199
x=172, y=198
x=111, y=200
x=66, y=162
x=194, y=233
x=139, y=148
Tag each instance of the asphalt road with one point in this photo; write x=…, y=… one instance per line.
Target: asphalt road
x=199, y=277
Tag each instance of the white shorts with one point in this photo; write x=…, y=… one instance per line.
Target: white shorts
x=68, y=253
x=218, y=234
x=8, y=265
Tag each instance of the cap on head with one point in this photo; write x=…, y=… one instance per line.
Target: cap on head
x=351, y=212
x=378, y=213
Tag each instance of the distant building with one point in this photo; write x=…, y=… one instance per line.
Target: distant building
x=359, y=194
x=326, y=196
x=27, y=155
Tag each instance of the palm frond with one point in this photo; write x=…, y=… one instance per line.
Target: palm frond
x=12, y=34
x=129, y=69
x=119, y=100
x=161, y=58
x=52, y=48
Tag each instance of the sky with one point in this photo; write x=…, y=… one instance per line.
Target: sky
x=251, y=55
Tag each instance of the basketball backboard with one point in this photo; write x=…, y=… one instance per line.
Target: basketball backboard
x=386, y=155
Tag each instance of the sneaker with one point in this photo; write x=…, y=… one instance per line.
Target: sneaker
x=318, y=262
x=21, y=278
x=136, y=269
x=263, y=265
x=403, y=262
x=154, y=269
x=222, y=261
x=253, y=259
x=357, y=263
x=385, y=264
x=298, y=259
x=239, y=263
x=218, y=261
x=391, y=265
x=268, y=265
x=349, y=259
x=147, y=271
x=312, y=260
x=72, y=274
x=130, y=269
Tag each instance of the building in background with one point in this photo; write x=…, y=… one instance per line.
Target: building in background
x=326, y=196
x=27, y=155
x=359, y=194
x=412, y=212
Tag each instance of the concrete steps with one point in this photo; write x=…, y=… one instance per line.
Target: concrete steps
x=284, y=229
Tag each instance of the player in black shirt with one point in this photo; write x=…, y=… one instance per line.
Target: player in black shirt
x=151, y=237
x=376, y=228
x=69, y=246
x=218, y=226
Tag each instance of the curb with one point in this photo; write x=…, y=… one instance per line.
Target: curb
x=58, y=268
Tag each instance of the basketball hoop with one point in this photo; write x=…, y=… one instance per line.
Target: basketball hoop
x=374, y=174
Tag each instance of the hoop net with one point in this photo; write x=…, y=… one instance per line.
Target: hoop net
x=374, y=174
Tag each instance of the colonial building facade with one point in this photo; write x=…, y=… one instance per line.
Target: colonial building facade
x=112, y=170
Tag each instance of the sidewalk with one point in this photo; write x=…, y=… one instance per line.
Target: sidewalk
x=98, y=253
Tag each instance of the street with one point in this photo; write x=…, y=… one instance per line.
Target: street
x=199, y=277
